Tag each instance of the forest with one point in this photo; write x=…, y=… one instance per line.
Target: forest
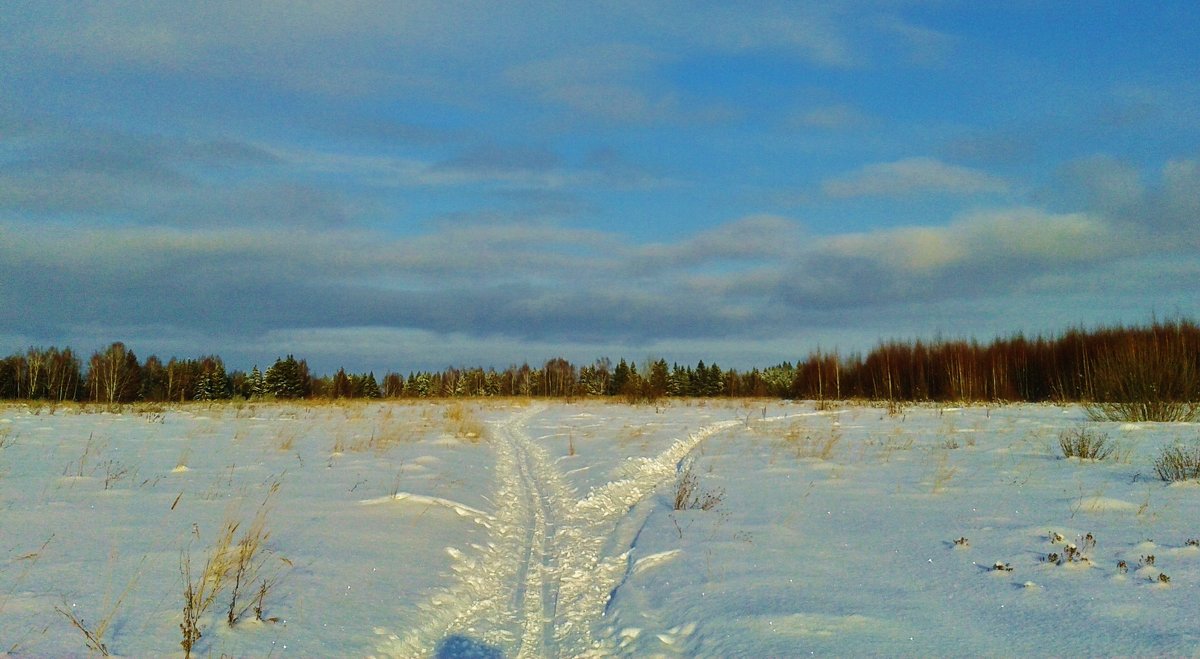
x=1158, y=360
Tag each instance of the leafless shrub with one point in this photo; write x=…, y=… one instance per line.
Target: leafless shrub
x=1085, y=444
x=1178, y=463
x=1146, y=381
x=689, y=495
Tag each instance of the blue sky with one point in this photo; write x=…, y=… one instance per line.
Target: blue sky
x=406, y=185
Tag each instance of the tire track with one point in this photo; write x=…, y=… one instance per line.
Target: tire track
x=537, y=581
x=545, y=577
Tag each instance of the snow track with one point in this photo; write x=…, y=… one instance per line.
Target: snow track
x=544, y=579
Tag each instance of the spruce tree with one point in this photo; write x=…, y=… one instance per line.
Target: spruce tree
x=258, y=386
x=213, y=383
x=287, y=378
x=370, y=388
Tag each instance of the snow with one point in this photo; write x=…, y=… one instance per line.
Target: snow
x=395, y=532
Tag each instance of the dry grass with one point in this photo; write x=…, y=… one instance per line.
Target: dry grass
x=285, y=438
x=462, y=422
x=234, y=563
x=247, y=563
x=943, y=473
x=28, y=561
x=93, y=635
x=808, y=443
x=689, y=495
x=185, y=456
x=1085, y=444
x=1178, y=463
x=84, y=465
x=200, y=592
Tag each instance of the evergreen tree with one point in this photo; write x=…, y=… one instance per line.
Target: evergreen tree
x=213, y=383
x=659, y=382
x=257, y=384
x=421, y=384
x=714, y=381
x=287, y=378
x=370, y=388
x=680, y=383
x=698, y=378
x=620, y=378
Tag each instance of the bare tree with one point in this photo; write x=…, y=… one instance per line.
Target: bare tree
x=114, y=374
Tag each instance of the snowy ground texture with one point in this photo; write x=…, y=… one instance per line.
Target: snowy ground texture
x=545, y=529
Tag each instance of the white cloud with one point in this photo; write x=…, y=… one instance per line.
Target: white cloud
x=912, y=176
x=977, y=241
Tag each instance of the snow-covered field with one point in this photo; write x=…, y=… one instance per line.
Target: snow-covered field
x=531, y=529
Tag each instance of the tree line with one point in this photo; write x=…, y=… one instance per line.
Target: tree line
x=1076, y=365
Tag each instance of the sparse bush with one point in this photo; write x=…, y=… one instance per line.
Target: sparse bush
x=688, y=493
x=1085, y=444
x=1178, y=463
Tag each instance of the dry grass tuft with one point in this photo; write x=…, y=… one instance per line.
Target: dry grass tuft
x=689, y=495
x=93, y=635
x=1085, y=444
x=200, y=592
x=809, y=444
x=285, y=439
x=1178, y=463
x=462, y=423
x=234, y=563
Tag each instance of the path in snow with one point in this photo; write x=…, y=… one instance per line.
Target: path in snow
x=551, y=563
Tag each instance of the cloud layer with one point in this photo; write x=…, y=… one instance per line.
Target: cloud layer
x=406, y=185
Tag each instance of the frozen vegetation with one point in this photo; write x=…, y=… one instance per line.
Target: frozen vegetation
x=521, y=528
